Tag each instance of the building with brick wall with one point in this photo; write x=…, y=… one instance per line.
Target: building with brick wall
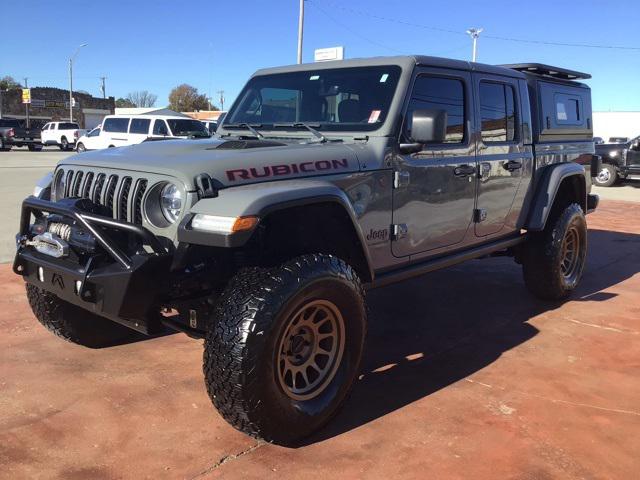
x=52, y=104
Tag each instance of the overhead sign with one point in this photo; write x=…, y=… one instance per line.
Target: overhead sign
x=328, y=54
x=26, y=95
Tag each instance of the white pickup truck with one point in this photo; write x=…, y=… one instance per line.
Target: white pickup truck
x=62, y=134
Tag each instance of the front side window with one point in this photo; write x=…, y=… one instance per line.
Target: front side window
x=187, y=128
x=497, y=112
x=441, y=93
x=140, y=125
x=160, y=128
x=341, y=99
x=94, y=133
x=116, y=125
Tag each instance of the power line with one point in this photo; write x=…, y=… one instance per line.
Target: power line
x=457, y=32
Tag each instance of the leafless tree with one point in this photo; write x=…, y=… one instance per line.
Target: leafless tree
x=142, y=98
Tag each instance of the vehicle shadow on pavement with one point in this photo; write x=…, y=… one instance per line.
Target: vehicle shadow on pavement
x=430, y=332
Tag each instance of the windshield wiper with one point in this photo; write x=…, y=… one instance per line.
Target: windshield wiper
x=321, y=138
x=248, y=127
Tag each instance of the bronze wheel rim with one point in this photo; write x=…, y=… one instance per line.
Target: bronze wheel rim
x=310, y=350
x=571, y=252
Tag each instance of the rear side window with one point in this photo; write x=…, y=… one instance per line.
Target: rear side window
x=160, y=128
x=139, y=125
x=568, y=109
x=440, y=93
x=497, y=112
x=116, y=125
x=68, y=126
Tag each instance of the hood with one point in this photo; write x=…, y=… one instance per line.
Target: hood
x=230, y=162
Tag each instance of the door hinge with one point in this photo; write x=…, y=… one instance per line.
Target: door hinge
x=399, y=231
x=401, y=179
x=479, y=215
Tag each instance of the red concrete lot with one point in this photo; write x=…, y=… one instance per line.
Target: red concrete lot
x=465, y=376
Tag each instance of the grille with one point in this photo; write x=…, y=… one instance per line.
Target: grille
x=122, y=195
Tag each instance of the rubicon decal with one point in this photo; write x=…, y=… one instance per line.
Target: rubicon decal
x=286, y=169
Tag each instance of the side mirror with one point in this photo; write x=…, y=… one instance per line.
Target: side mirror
x=428, y=126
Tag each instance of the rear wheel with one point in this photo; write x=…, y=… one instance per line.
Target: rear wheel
x=554, y=259
x=74, y=324
x=64, y=143
x=285, y=347
x=607, y=176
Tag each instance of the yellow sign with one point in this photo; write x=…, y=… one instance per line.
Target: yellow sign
x=26, y=95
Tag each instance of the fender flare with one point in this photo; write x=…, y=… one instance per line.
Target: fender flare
x=546, y=190
x=263, y=199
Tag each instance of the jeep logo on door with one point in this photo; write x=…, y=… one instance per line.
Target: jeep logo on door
x=57, y=281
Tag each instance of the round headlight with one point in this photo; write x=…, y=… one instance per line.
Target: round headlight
x=171, y=202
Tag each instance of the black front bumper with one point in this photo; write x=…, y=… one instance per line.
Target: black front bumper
x=122, y=286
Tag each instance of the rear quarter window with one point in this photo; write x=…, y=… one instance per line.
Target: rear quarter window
x=116, y=125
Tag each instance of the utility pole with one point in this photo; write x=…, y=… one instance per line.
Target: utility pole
x=71, y=81
x=474, y=33
x=300, y=30
x=26, y=105
x=221, y=93
x=102, y=87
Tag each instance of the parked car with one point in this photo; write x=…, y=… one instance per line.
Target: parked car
x=13, y=133
x=89, y=141
x=122, y=130
x=62, y=134
x=322, y=179
x=619, y=161
x=210, y=125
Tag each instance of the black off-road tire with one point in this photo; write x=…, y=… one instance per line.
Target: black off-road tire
x=242, y=348
x=607, y=176
x=545, y=252
x=74, y=324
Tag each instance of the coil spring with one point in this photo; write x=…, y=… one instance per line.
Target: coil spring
x=60, y=229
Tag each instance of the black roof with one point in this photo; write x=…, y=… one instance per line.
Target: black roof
x=548, y=71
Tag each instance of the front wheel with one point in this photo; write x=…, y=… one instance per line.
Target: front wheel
x=607, y=176
x=286, y=346
x=554, y=259
x=81, y=148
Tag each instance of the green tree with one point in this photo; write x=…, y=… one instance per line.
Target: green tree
x=185, y=98
x=7, y=83
x=124, y=103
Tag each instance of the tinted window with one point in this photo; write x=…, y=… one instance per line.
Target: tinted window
x=9, y=123
x=117, y=125
x=187, y=128
x=497, y=112
x=437, y=93
x=160, y=128
x=68, y=126
x=94, y=133
x=334, y=99
x=568, y=109
x=139, y=125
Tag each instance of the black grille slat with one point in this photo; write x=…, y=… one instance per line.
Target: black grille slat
x=97, y=190
x=77, y=183
x=86, y=188
x=67, y=184
x=111, y=191
x=138, y=195
x=123, y=198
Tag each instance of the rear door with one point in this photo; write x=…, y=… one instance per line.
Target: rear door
x=115, y=131
x=139, y=130
x=435, y=188
x=501, y=153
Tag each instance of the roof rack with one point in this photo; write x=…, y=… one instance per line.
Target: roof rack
x=548, y=71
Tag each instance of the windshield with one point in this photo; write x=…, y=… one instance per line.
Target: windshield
x=187, y=128
x=341, y=99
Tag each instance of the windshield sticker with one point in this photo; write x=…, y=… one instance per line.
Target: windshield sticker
x=375, y=114
x=384, y=77
x=314, y=77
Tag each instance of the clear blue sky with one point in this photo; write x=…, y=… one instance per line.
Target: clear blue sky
x=215, y=45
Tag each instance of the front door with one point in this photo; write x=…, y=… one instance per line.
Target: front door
x=502, y=156
x=434, y=191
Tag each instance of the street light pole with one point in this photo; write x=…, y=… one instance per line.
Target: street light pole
x=475, y=33
x=300, y=30
x=71, y=81
x=26, y=105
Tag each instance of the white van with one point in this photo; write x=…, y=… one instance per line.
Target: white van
x=121, y=130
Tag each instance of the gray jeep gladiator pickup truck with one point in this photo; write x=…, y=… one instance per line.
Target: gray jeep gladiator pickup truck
x=323, y=180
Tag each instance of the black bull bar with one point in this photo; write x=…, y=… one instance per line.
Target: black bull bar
x=125, y=288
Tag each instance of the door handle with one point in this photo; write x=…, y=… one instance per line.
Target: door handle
x=512, y=165
x=464, y=170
